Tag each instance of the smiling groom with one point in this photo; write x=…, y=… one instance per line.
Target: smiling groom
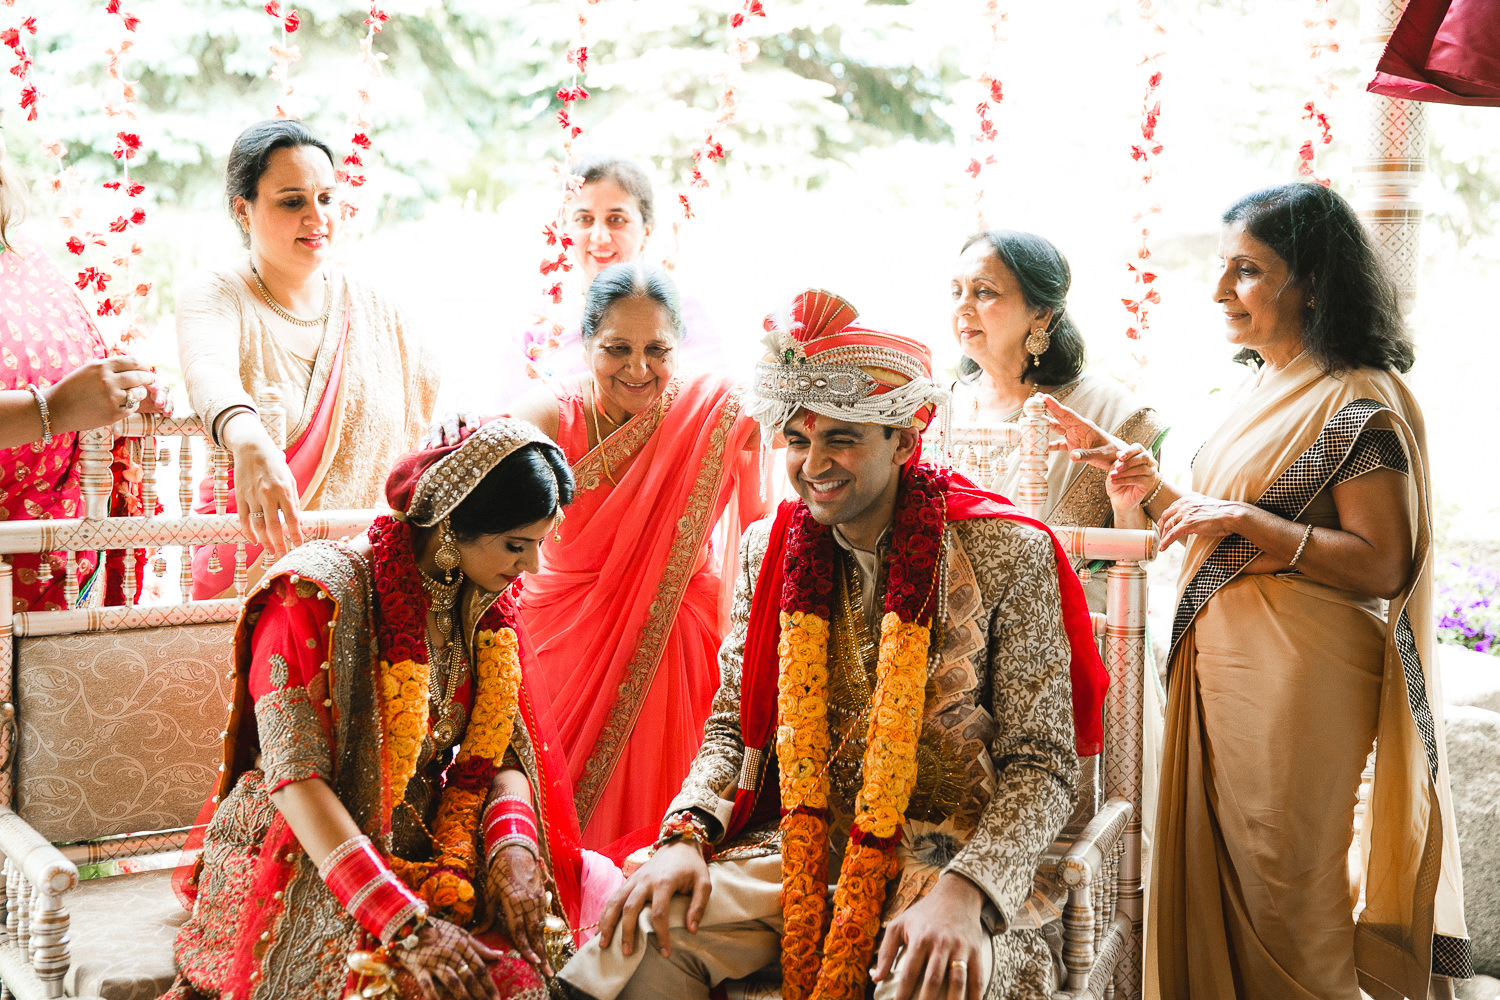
x=896, y=715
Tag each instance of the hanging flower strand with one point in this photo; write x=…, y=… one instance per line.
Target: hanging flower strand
x=65, y=179
x=993, y=16
x=352, y=170
x=547, y=330
x=1145, y=153
x=284, y=54
x=130, y=215
x=14, y=39
x=1321, y=41
x=710, y=149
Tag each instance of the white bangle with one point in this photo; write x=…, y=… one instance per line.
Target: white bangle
x=41, y=405
x=1300, y=548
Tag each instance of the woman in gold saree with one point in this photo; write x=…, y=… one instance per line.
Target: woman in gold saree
x=1303, y=634
x=357, y=387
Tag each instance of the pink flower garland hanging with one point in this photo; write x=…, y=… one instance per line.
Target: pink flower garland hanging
x=1321, y=41
x=555, y=262
x=1145, y=153
x=284, y=54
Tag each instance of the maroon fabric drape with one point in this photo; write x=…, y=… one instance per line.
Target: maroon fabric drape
x=1445, y=51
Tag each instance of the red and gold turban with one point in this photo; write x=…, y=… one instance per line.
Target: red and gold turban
x=822, y=361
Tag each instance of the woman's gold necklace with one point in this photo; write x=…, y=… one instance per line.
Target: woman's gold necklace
x=445, y=670
x=601, y=438
x=276, y=307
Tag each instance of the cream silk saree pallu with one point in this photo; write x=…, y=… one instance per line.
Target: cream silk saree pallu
x=1278, y=686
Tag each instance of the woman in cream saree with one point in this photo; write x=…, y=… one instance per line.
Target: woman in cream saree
x=1303, y=637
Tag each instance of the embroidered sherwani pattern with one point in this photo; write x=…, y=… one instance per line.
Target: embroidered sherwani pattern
x=1005, y=656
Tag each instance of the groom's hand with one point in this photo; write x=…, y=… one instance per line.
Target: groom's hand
x=676, y=868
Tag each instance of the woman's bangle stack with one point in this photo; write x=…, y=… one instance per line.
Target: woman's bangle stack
x=686, y=825
x=509, y=821
x=371, y=893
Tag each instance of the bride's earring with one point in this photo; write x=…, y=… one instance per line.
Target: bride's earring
x=446, y=556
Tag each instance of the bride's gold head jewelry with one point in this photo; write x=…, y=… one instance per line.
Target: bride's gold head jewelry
x=446, y=556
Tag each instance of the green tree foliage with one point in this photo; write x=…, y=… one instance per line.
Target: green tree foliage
x=467, y=100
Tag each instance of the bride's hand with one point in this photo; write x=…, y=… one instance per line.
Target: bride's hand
x=518, y=889
x=448, y=962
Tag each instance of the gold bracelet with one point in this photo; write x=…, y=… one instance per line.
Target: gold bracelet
x=1300, y=547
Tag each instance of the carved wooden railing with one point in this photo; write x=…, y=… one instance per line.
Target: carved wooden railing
x=1102, y=917
x=34, y=948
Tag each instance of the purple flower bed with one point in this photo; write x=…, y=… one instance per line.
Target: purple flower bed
x=1467, y=604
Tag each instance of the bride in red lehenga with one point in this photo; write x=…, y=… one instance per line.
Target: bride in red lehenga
x=393, y=809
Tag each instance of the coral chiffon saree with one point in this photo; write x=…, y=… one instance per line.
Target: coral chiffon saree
x=632, y=602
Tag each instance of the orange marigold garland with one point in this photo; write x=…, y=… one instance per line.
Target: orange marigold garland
x=446, y=882
x=837, y=967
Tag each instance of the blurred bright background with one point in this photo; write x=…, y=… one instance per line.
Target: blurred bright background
x=845, y=168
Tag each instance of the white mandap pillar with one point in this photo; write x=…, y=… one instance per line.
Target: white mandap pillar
x=1391, y=160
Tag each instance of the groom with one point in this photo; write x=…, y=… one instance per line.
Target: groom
x=895, y=717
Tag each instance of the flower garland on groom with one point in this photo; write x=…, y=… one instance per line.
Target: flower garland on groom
x=982, y=629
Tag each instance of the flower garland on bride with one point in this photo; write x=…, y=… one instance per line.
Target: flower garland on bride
x=446, y=883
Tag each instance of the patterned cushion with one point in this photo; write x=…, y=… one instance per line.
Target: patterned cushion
x=119, y=731
x=122, y=930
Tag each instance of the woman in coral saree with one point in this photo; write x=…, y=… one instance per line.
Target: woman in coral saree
x=632, y=602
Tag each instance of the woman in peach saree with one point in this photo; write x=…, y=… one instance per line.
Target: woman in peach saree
x=632, y=600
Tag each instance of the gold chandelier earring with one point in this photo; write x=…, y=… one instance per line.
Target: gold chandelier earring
x=1037, y=342
x=446, y=556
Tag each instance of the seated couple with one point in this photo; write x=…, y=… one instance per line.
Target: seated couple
x=393, y=820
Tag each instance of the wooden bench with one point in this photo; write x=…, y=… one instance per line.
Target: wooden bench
x=111, y=721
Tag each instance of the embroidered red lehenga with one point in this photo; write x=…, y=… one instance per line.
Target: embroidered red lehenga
x=318, y=694
x=632, y=602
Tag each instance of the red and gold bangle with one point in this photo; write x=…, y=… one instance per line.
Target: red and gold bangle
x=371, y=893
x=686, y=825
x=509, y=821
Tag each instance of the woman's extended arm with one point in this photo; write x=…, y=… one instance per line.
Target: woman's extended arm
x=445, y=960
x=518, y=880
x=209, y=322
x=1369, y=553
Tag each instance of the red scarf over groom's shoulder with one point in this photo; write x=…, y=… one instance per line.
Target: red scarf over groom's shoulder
x=761, y=663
